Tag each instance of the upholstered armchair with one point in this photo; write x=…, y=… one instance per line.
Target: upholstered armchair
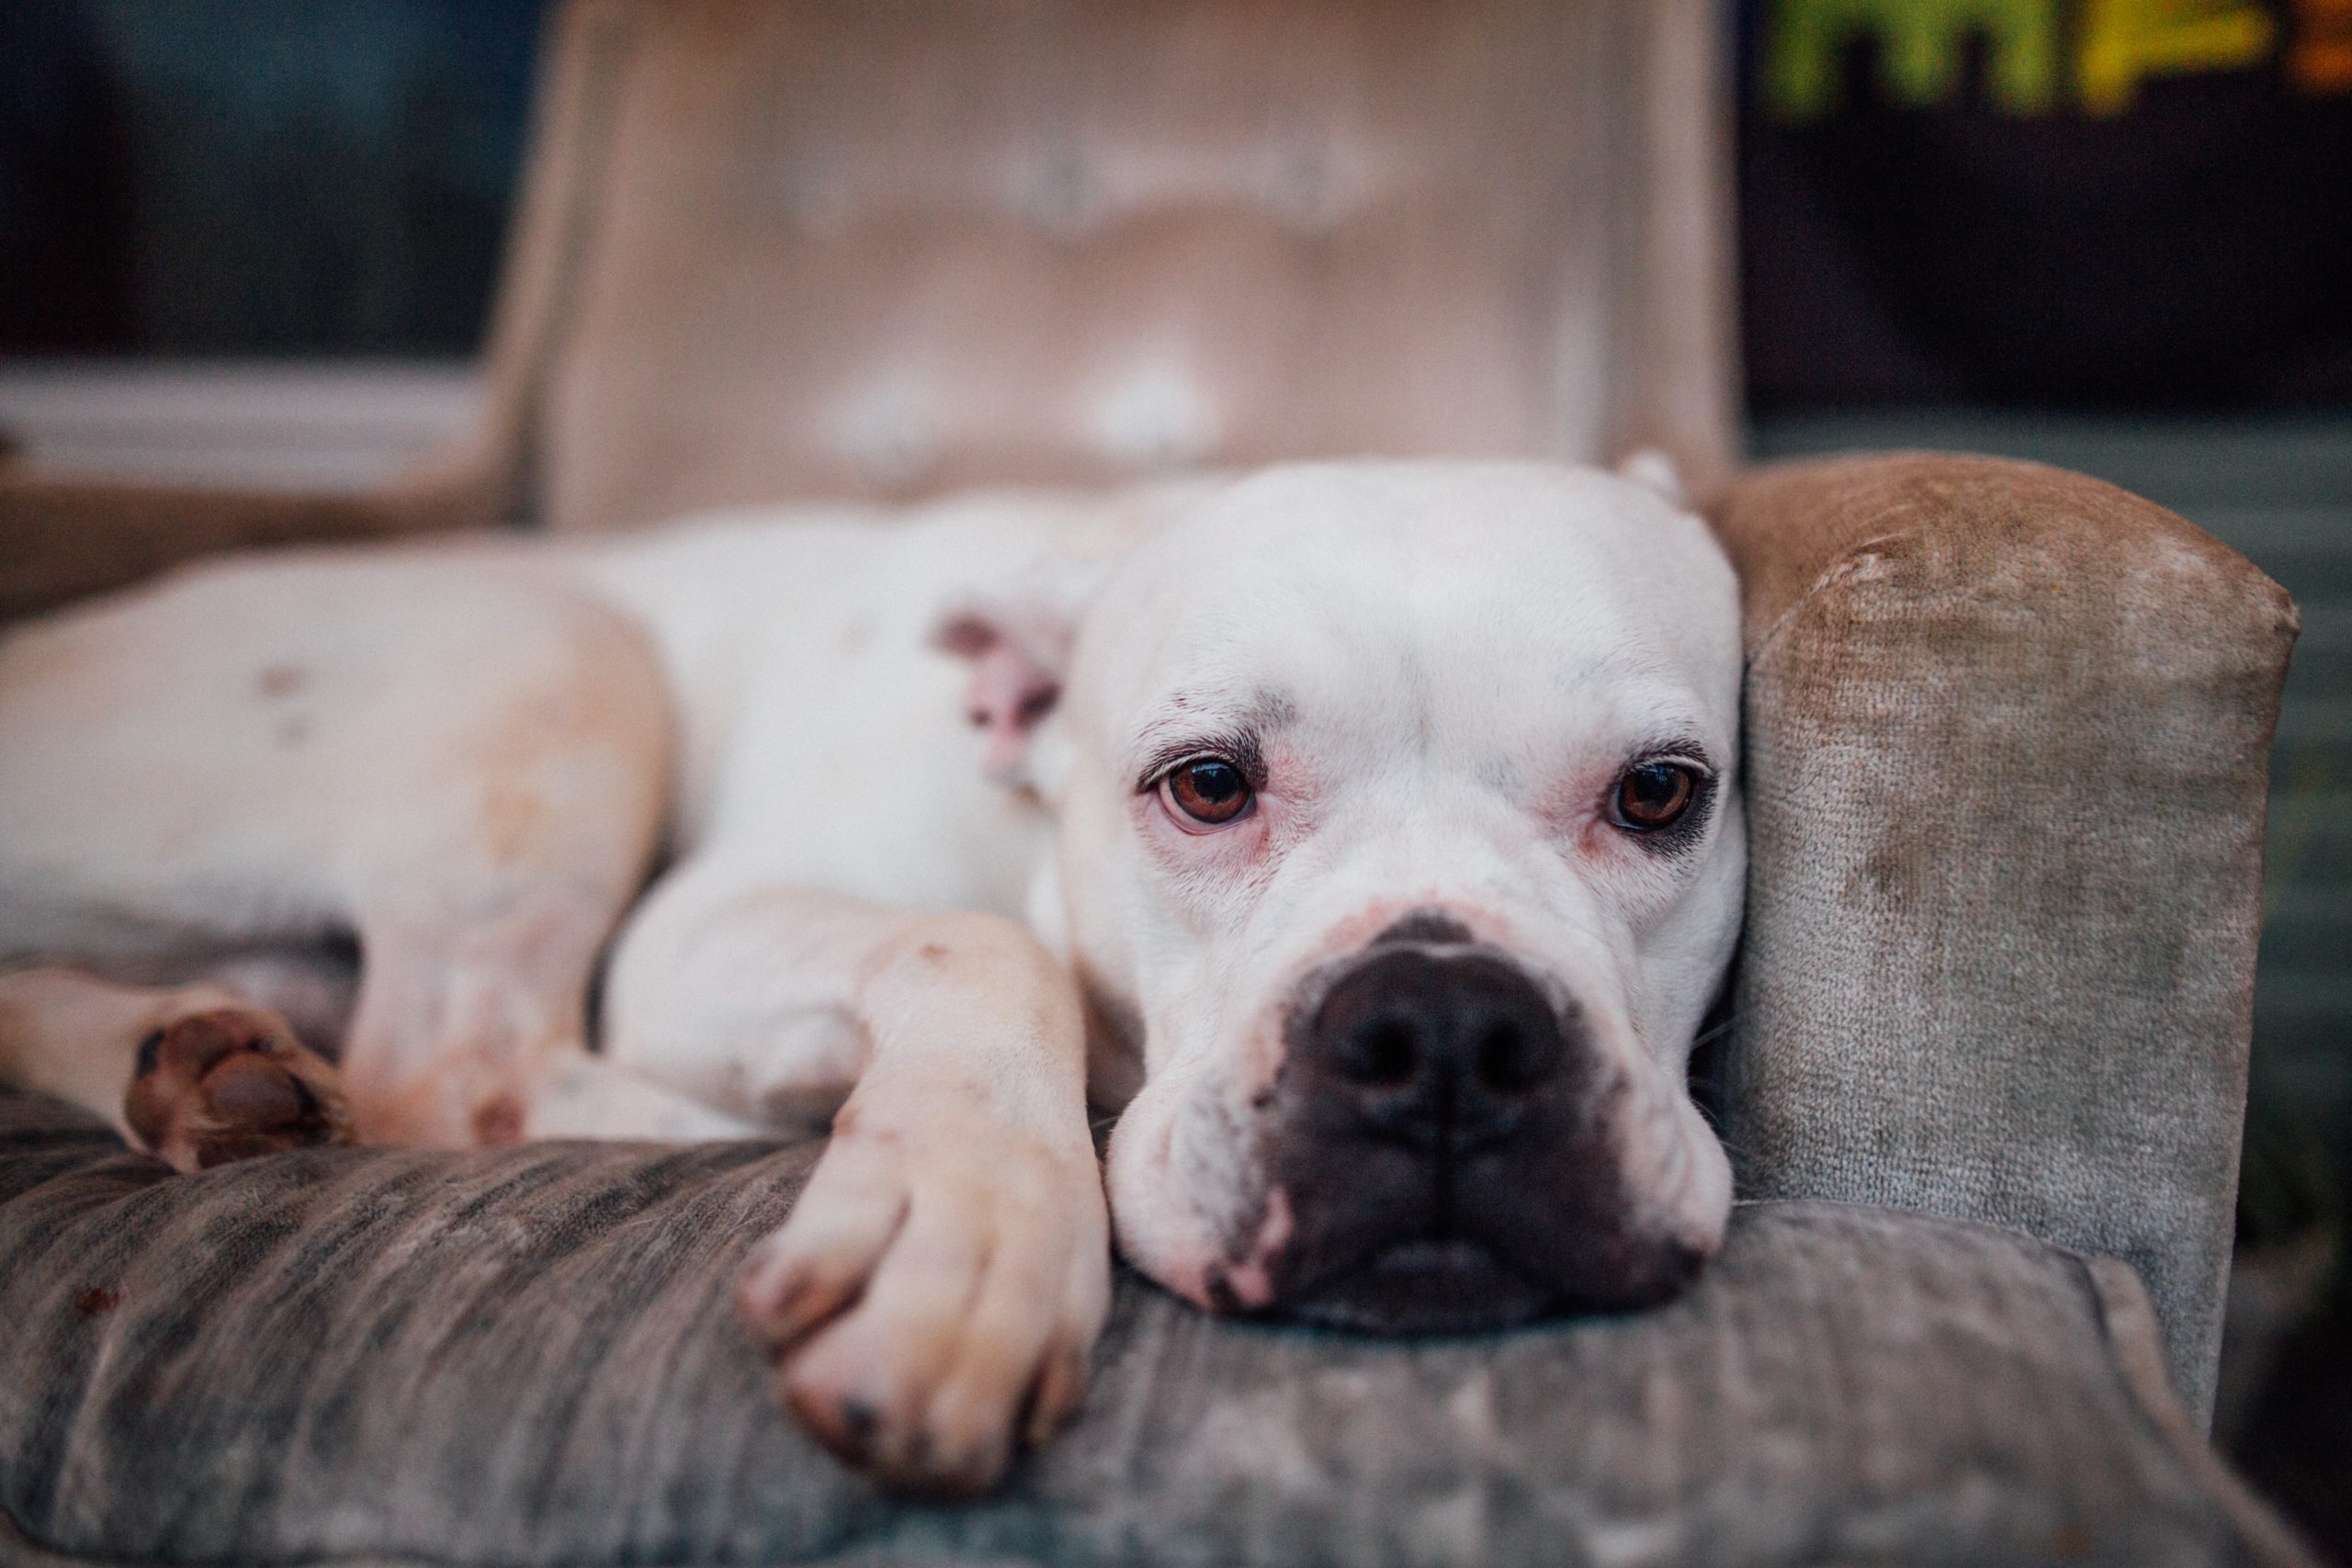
x=1984, y=1062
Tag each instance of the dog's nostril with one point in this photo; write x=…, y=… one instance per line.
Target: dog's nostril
x=1500, y=1054
x=1422, y=1040
x=1382, y=1055
x=1512, y=1058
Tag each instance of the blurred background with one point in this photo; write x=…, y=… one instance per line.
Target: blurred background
x=259, y=237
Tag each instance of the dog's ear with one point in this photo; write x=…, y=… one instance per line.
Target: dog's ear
x=1017, y=638
x=1654, y=470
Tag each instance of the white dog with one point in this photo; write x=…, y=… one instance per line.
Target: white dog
x=1368, y=831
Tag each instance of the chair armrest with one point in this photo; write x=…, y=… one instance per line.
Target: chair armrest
x=2008, y=735
x=62, y=537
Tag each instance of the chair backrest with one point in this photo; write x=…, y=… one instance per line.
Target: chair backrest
x=883, y=247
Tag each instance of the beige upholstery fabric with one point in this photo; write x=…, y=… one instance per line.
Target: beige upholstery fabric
x=857, y=248
x=61, y=538
x=2008, y=737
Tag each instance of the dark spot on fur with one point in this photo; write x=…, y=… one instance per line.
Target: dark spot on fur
x=498, y=1122
x=281, y=681
x=97, y=1300
x=932, y=952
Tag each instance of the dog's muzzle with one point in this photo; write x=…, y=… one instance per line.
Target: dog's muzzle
x=1446, y=1137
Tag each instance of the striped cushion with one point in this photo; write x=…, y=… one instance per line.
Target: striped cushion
x=526, y=1356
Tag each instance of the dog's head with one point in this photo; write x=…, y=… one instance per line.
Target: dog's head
x=1399, y=851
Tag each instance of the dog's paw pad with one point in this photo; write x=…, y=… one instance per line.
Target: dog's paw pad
x=229, y=1083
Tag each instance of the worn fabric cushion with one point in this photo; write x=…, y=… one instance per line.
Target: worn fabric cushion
x=525, y=1358
x=2008, y=737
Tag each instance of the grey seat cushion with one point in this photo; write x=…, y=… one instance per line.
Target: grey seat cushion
x=526, y=1357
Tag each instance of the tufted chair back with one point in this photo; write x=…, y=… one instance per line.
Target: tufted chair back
x=885, y=247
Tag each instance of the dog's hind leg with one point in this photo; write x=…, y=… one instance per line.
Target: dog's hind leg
x=481, y=920
x=471, y=1029
x=193, y=1073
x=460, y=763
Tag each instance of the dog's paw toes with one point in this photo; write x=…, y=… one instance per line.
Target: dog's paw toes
x=227, y=1083
x=925, y=1331
x=872, y=1426
x=937, y=1409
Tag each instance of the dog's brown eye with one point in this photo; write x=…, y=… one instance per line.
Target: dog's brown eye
x=1209, y=790
x=1655, y=795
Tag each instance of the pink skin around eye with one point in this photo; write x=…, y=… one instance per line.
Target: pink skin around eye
x=1576, y=809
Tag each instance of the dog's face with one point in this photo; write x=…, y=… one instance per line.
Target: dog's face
x=1398, y=834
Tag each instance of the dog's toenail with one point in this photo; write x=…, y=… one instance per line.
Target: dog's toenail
x=151, y=1051
x=861, y=1423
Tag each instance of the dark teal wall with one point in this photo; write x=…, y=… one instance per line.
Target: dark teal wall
x=256, y=177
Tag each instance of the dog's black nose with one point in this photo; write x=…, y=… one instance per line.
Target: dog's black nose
x=1436, y=1048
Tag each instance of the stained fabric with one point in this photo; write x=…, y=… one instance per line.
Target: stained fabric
x=2008, y=736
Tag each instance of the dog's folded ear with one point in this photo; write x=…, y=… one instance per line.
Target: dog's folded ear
x=1017, y=638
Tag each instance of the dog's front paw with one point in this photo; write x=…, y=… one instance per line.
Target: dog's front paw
x=224, y=1083
x=934, y=1301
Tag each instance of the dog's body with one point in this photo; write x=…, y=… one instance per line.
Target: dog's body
x=1370, y=825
